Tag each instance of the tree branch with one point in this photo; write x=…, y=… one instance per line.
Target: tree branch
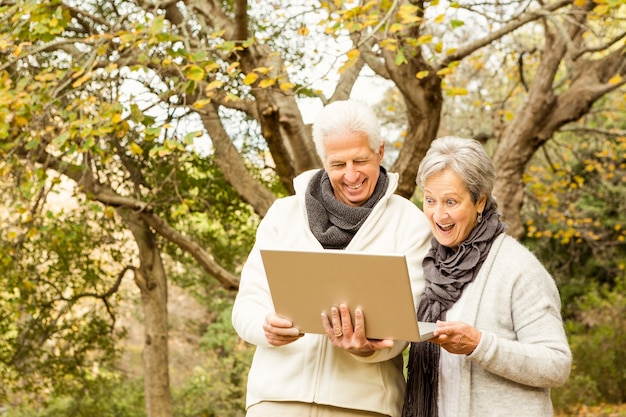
x=506, y=29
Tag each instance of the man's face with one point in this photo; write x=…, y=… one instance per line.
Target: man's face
x=353, y=168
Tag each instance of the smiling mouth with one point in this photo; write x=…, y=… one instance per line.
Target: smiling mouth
x=445, y=227
x=355, y=187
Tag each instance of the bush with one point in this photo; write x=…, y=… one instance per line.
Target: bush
x=598, y=341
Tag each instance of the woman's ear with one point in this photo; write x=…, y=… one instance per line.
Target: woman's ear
x=480, y=206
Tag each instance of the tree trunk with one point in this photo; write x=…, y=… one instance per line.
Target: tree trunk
x=151, y=279
x=547, y=108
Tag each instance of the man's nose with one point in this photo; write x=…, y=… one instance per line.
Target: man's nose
x=351, y=173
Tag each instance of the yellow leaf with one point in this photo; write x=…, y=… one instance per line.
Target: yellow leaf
x=201, y=103
x=421, y=74
x=81, y=80
x=286, y=86
x=601, y=9
x=616, y=79
x=194, y=72
x=389, y=44
x=250, y=78
x=396, y=27
x=268, y=82
x=262, y=70
x=440, y=18
x=303, y=31
x=354, y=53
x=109, y=212
x=135, y=149
x=213, y=85
x=211, y=67
x=456, y=91
x=232, y=67
x=18, y=50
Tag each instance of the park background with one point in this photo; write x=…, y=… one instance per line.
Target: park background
x=142, y=141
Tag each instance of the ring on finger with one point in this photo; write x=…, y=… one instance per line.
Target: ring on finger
x=338, y=334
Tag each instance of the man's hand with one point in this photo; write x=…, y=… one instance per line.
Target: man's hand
x=279, y=331
x=341, y=333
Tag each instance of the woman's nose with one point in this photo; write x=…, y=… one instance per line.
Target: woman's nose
x=439, y=212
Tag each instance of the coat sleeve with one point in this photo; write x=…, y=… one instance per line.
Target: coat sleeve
x=253, y=301
x=523, y=337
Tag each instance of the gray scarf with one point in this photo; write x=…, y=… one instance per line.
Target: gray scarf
x=447, y=273
x=333, y=222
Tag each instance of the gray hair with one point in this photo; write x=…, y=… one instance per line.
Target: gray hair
x=467, y=158
x=346, y=116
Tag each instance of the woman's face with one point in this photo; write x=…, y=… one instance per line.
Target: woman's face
x=449, y=208
x=353, y=168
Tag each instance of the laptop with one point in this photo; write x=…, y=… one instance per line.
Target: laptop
x=303, y=284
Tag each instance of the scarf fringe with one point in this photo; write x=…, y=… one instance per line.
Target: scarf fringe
x=422, y=388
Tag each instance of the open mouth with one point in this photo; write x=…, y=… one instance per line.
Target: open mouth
x=355, y=187
x=445, y=227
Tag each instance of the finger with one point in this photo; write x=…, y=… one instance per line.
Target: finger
x=276, y=340
x=336, y=321
x=280, y=327
x=328, y=327
x=346, y=319
x=277, y=321
x=359, y=323
x=381, y=344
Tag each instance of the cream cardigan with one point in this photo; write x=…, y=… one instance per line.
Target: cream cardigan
x=523, y=351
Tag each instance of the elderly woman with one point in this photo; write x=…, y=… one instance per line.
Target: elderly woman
x=500, y=343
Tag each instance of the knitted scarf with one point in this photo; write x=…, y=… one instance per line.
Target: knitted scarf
x=447, y=273
x=333, y=222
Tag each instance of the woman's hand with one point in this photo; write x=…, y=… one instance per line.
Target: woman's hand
x=456, y=337
x=341, y=333
x=279, y=331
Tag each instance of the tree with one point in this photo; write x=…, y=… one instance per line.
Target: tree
x=113, y=95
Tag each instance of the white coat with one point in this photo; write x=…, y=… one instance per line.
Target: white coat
x=312, y=370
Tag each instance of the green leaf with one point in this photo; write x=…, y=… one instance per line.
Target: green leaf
x=136, y=115
x=455, y=23
x=194, y=72
x=189, y=137
x=60, y=140
x=400, y=58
